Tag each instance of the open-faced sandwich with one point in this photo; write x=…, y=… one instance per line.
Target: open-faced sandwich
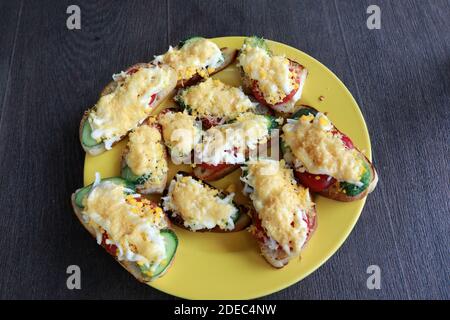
x=181, y=133
x=275, y=81
x=214, y=102
x=196, y=58
x=144, y=160
x=325, y=159
x=124, y=104
x=134, y=230
x=284, y=217
x=224, y=148
x=197, y=206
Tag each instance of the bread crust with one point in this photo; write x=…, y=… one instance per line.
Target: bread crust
x=206, y=174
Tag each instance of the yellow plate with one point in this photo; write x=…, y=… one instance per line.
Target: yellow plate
x=229, y=266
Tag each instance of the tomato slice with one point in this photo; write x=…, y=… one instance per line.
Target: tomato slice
x=288, y=97
x=319, y=182
x=211, y=122
x=345, y=139
x=257, y=93
x=347, y=142
x=315, y=182
x=216, y=167
x=111, y=248
x=260, y=97
x=152, y=99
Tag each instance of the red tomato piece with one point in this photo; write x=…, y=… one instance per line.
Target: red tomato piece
x=211, y=122
x=315, y=182
x=347, y=142
x=216, y=167
x=260, y=97
x=152, y=99
x=111, y=248
x=345, y=139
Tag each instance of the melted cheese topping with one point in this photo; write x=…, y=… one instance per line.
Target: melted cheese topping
x=228, y=143
x=272, y=73
x=197, y=56
x=134, y=227
x=146, y=154
x=180, y=131
x=318, y=150
x=281, y=204
x=217, y=99
x=199, y=205
x=128, y=105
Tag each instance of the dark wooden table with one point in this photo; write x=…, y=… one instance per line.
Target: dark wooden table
x=399, y=75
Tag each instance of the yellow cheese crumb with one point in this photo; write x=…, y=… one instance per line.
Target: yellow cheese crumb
x=320, y=151
x=273, y=75
x=193, y=57
x=146, y=155
x=125, y=221
x=280, y=202
x=217, y=99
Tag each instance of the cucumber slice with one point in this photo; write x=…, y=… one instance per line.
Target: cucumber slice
x=236, y=216
x=272, y=123
x=127, y=174
x=171, y=244
x=80, y=194
x=354, y=190
x=255, y=41
x=179, y=100
x=304, y=111
x=86, y=135
x=188, y=40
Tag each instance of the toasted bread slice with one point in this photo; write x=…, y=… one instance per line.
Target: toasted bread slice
x=229, y=56
x=85, y=129
x=206, y=63
x=130, y=266
x=284, y=107
x=335, y=190
x=279, y=204
x=241, y=219
x=278, y=258
x=145, y=184
x=250, y=85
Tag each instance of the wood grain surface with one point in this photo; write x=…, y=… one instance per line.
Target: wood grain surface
x=399, y=75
